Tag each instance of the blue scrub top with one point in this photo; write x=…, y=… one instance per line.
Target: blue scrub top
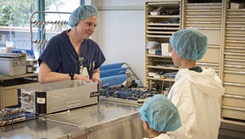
x=61, y=56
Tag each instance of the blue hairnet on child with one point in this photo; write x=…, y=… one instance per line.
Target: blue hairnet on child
x=81, y=13
x=160, y=114
x=189, y=44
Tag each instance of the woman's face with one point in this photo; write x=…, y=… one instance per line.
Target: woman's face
x=175, y=58
x=87, y=26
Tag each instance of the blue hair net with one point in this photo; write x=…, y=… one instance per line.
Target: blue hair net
x=189, y=44
x=81, y=13
x=160, y=114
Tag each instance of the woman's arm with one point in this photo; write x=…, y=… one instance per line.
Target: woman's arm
x=45, y=75
x=96, y=75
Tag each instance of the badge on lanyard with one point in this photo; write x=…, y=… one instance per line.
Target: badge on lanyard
x=83, y=70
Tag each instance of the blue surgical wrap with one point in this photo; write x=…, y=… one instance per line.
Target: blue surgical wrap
x=112, y=72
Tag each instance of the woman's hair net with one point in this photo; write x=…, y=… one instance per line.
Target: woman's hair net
x=160, y=114
x=81, y=13
x=189, y=44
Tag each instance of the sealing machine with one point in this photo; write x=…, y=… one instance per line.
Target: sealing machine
x=58, y=96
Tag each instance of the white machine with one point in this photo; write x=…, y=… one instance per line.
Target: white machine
x=58, y=96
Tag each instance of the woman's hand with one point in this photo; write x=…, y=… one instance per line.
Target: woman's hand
x=82, y=77
x=96, y=80
x=96, y=76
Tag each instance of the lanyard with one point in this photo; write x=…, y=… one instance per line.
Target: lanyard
x=81, y=60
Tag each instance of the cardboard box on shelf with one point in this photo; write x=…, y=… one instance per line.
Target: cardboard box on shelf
x=166, y=49
x=234, y=5
x=151, y=74
x=152, y=51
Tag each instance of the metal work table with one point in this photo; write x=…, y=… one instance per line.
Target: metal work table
x=106, y=120
x=28, y=75
x=9, y=85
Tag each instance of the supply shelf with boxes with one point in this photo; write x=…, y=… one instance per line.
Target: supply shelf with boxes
x=162, y=18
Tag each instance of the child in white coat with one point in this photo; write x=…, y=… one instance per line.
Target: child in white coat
x=197, y=90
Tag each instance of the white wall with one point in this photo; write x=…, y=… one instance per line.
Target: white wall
x=120, y=33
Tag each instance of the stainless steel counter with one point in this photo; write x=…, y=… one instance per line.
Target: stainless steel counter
x=28, y=75
x=9, y=85
x=106, y=120
x=35, y=129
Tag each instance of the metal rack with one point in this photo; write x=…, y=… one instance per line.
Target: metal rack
x=41, y=24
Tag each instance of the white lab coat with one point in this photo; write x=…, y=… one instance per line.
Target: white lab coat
x=161, y=136
x=197, y=96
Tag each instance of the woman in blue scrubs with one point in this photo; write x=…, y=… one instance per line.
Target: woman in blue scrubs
x=72, y=55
